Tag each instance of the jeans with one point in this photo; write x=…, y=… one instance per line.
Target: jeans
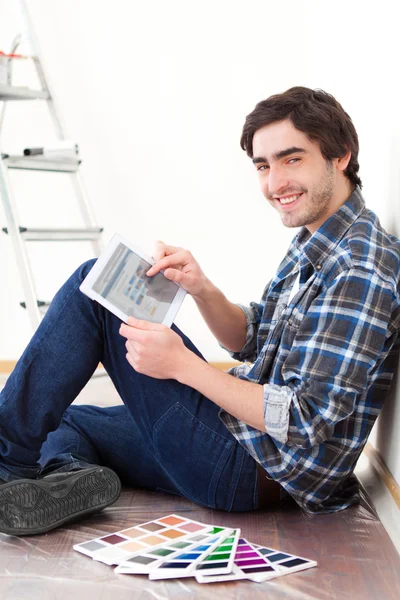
x=167, y=436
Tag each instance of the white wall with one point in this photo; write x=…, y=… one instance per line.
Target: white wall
x=156, y=93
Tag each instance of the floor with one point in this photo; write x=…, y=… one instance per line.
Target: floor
x=356, y=559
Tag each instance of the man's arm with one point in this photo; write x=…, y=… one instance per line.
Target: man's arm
x=226, y=320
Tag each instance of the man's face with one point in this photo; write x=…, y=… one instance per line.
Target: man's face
x=294, y=176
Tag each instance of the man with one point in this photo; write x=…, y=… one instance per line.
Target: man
x=319, y=354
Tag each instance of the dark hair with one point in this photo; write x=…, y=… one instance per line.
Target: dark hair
x=315, y=113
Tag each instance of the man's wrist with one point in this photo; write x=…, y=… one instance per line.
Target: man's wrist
x=186, y=366
x=208, y=290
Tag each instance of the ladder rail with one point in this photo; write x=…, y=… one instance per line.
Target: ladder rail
x=86, y=209
x=36, y=54
x=24, y=266
x=15, y=43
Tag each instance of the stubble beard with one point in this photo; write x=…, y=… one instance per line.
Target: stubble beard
x=318, y=199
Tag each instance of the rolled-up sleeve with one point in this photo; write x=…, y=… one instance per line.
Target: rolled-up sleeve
x=337, y=345
x=253, y=318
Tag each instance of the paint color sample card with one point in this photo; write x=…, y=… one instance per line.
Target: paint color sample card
x=190, y=549
x=235, y=575
x=221, y=560
x=174, y=560
x=258, y=564
x=114, y=548
x=186, y=564
x=283, y=561
x=248, y=562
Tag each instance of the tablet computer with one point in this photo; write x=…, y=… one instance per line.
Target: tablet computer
x=118, y=282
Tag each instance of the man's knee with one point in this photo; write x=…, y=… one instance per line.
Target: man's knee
x=85, y=267
x=81, y=272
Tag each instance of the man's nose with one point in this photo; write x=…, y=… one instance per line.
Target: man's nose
x=277, y=180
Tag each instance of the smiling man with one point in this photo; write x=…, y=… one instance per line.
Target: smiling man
x=318, y=353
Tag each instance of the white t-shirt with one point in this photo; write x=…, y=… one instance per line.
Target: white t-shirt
x=295, y=288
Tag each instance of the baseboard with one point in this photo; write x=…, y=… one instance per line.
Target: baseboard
x=6, y=366
x=379, y=465
x=224, y=366
x=382, y=491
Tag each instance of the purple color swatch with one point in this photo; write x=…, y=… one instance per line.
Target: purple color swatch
x=248, y=563
x=246, y=554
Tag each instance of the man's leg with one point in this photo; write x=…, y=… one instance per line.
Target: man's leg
x=180, y=427
x=88, y=434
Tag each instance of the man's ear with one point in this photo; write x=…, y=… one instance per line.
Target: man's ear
x=342, y=163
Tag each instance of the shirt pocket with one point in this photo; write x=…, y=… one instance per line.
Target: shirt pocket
x=295, y=319
x=290, y=328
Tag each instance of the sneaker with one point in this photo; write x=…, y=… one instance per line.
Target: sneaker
x=31, y=506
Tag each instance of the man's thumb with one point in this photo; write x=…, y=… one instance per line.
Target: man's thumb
x=141, y=324
x=173, y=274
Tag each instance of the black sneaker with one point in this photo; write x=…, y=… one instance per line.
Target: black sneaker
x=31, y=506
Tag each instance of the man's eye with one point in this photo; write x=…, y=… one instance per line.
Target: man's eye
x=293, y=160
x=262, y=167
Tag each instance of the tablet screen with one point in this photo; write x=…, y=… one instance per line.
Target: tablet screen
x=123, y=283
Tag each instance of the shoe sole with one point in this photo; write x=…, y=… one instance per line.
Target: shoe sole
x=29, y=507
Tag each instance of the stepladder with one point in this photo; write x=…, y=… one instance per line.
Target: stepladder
x=68, y=218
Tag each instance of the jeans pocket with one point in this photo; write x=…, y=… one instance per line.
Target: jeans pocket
x=192, y=454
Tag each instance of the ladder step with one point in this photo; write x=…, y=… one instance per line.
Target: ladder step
x=10, y=92
x=42, y=305
x=59, y=235
x=39, y=163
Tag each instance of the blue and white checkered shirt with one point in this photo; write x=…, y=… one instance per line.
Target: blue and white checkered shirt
x=325, y=358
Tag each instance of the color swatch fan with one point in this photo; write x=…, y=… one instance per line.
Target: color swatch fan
x=175, y=547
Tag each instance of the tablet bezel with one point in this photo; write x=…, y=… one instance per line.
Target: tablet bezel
x=86, y=286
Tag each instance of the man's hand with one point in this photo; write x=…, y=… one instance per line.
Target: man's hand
x=179, y=266
x=153, y=349
x=157, y=351
x=225, y=320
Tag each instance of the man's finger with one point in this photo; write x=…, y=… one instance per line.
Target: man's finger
x=130, y=345
x=162, y=249
x=172, y=260
x=130, y=360
x=159, y=251
x=131, y=333
x=138, y=330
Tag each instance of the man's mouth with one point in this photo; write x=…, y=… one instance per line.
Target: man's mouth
x=289, y=199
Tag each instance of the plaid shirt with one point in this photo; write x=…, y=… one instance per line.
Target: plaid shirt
x=325, y=358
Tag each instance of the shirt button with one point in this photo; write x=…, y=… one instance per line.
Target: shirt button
x=318, y=267
x=281, y=309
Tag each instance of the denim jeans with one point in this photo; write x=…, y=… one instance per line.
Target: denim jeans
x=166, y=436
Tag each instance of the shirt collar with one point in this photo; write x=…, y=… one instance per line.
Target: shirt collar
x=317, y=247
